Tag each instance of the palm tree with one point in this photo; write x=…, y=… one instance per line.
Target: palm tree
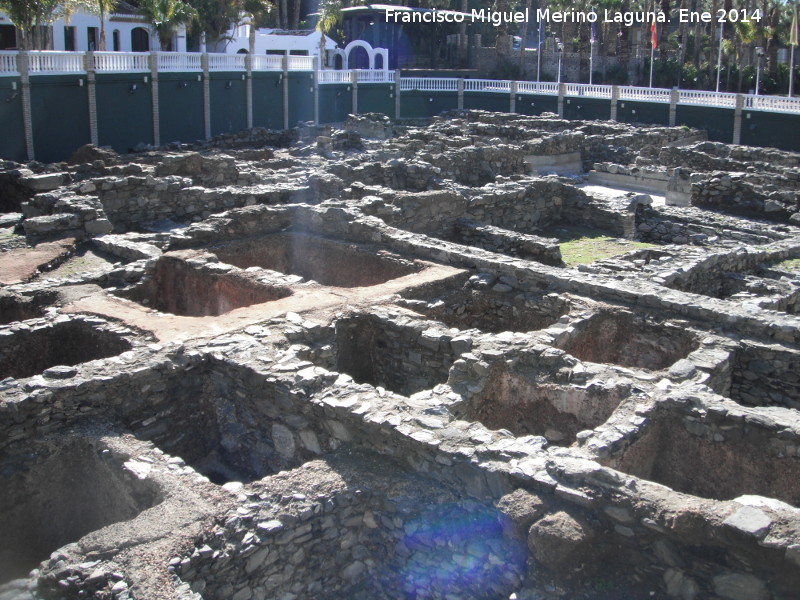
x=166, y=15
x=330, y=11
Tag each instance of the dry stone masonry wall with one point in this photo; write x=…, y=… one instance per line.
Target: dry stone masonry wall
x=365, y=364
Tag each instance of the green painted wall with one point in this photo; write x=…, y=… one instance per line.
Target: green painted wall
x=777, y=130
x=228, y=102
x=12, y=142
x=268, y=100
x=717, y=121
x=655, y=113
x=180, y=107
x=301, y=97
x=419, y=105
x=60, y=113
x=587, y=108
x=124, y=114
x=534, y=104
x=335, y=102
x=376, y=97
x=493, y=101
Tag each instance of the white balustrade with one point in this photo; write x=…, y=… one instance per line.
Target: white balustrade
x=334, y=77
x=8, y=63
x=703, y=98
x=486, y=85
x=226, y=62
x=301, y=63
x=52, y=62
x=121, y=62
x=267, y=62
x=590, y=91
x=429, y=84
x=367, y=76
x=644, y=94
x=534, y=87
x=773, y=103
x=179, y=61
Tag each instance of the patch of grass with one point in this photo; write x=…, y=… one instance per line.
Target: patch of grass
x=582, y=245
x=790, y=264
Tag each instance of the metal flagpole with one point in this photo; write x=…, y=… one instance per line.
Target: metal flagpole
x=792, y=43
x=719, y=57
x=653, y=44
x=591, y=49
x=539, y=53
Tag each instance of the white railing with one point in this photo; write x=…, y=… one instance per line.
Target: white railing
x=429, y=84
x=179, y=61
x=704, y=98
x=51, y=61
x=334, y=76
x=772, y=103
x=486, y=85
x=537, y=87
x=226, y=62
x=301, y=63
x=269, y=62
x=121, y=62
x=590, y=91
x=644, y=94
x=8, y=63
x=367, y=76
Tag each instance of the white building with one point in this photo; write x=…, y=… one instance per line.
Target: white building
x=304, y=42
x=125, y=31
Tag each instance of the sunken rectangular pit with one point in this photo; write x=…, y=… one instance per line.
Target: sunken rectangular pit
x=324, y=260
x=712, y=457
x=523, y=406
x=228, y=423
x=56, y=491
x=180, y=288
x=765, y=375
x=36, y=346
x=399, y=357
x=628, y=340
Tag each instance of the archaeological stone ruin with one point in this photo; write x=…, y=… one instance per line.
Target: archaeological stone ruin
x=488, y=356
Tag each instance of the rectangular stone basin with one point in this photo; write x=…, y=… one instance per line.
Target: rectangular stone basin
x=58, y=491
x=326, y=261
x=29, y=351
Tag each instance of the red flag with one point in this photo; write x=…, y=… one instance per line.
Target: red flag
x=653, y=35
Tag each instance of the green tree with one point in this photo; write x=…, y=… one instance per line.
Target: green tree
x=165, y=16
x=33, y=17
x=215, y=17
x=330, y=12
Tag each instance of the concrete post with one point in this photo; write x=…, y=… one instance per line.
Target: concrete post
x=737, y=119
x=354, y=83
x=514, y=88
x=88, y=66
x=614, y=100
x=286, y=91
x=206, y=95
x=248, y=88
x=25, y=93
x=674, y=96
x=397, y=94
x=461, y=94
x=562, y=91
x=154, y=98
x=316, y=89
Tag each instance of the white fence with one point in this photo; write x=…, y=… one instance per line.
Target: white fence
x=8, y=63
x=179, y=61
x=226, y=62
x=537, y=87
x=269, y=62
x=486, y=85
x=121, y=62
x=51, y=62
x=47, y=62
x=644, y=94
x=429, y=84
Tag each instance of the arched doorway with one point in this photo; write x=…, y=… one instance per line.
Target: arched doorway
x=140, y=40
